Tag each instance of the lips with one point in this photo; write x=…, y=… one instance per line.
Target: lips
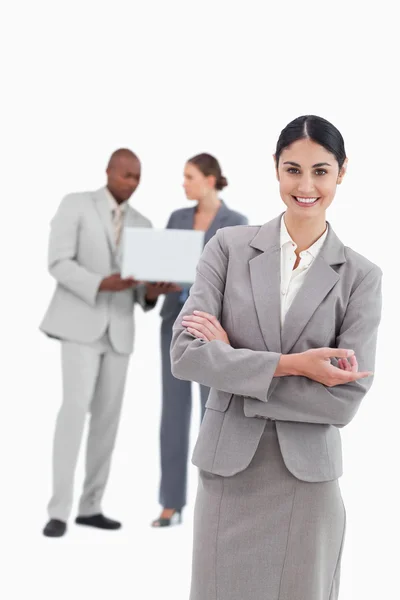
x=306, y=202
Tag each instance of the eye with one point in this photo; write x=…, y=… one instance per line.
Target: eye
x=293, y=170
x=321, y=172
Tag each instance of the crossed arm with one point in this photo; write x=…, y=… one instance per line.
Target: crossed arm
x=310, y=387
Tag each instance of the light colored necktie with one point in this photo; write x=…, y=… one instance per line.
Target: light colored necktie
x=117, y=222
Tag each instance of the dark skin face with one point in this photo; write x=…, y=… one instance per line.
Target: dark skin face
x=123, y=177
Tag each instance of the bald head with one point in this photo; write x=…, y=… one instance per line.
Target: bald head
x=119, y=154
x=123, y=174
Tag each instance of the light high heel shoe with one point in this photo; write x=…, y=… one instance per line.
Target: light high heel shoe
x=175, y=519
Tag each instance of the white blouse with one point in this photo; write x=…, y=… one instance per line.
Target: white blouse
x=292, y=280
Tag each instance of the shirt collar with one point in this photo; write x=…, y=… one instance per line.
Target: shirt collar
x=113, y=203
x=313, y=250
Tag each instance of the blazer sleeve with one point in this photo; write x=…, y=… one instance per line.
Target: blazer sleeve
x=62, y=250
x=301, y=399
x=216, y=364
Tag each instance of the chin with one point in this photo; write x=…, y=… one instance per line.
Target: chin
x=127, y=195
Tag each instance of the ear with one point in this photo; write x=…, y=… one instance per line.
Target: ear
x=211, y=181
x=276, y=167
x=342, y=171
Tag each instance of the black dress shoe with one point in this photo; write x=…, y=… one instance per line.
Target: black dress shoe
x=99, y=521
x=176, y=519
x=55, y=528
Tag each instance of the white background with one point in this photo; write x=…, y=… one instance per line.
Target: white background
x=171, y=79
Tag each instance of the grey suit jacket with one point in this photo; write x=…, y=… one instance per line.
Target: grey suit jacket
x=183, y=218
x=339, y=305
x=82, y=252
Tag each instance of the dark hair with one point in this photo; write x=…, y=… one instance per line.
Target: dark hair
x=209, y=165
x=318, y=130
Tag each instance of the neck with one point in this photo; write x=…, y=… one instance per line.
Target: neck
x=117, y=200
x=209, y=203
x=304, y=232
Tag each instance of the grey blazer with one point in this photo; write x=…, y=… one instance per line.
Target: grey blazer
x=82, y=252
x=183, y=218
x=339, y=305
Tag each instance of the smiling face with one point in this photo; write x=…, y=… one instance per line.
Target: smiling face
x=308, y=175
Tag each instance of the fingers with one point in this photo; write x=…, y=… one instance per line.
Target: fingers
x=361, y=375
x=210, y=318
x=350, y=376
x=199, y=334
x=163, y=287
x=336, y=352
x=207, y=323
x=198, y=330
x=344, y=364
x=353, y=364
x=349, y=365
x=200, y=324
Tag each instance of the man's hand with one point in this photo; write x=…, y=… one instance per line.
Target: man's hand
x=114, y=283
x=153, y=290
x=205, y=326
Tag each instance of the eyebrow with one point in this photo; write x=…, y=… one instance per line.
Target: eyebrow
x=294, y=164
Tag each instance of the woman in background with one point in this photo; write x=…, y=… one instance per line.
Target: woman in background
x=203, y=180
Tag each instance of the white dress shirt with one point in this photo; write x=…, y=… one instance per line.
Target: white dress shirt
x=292, y=280
x=113, y=203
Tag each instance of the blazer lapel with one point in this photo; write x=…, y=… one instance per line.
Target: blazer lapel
x=265, y=278
x=186, y=218
x=131, y=217
x=317, y=284
x=103, y=208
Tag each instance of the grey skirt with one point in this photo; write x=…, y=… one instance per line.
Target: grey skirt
x=263, y=534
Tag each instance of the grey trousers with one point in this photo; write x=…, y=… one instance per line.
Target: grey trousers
x=262, y=534
x=93, y=382
x=175, y=426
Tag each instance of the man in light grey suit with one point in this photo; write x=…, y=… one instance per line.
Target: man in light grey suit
x=91, y=312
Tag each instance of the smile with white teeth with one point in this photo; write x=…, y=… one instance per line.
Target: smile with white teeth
x=305, y=200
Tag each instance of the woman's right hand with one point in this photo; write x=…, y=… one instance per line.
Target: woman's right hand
x=316, y=364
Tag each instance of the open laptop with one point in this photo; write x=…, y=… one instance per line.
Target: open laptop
x=169, y=255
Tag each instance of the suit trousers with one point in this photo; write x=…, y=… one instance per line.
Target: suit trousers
x=175, y=426
x=93, y=383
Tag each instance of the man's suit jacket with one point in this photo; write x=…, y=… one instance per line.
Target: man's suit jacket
x=82, y=251
x=183, y=218
x=339, y=305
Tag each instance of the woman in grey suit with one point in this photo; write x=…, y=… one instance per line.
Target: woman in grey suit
x=203, y=181
x=286, y=341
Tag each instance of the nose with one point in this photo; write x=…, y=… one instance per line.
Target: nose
x=305, y=184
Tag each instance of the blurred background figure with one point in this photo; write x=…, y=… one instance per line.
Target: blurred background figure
x=91, y=312
x=203, y=180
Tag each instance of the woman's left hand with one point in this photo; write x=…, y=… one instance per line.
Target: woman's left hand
x=348, y=364
x=205, y=327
